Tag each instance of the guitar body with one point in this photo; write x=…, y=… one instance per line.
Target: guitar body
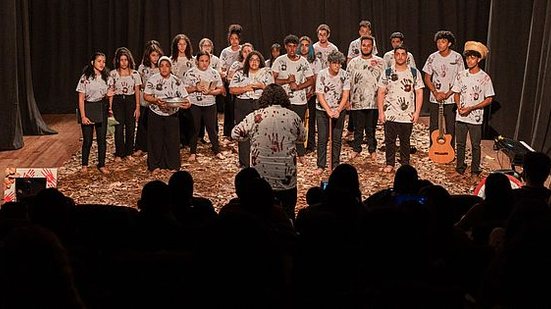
x=441, y=150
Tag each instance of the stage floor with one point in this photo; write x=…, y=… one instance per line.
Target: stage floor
x=213, y=178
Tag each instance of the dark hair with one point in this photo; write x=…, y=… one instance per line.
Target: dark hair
x=406, y=180
x=88, y=70
x=311, y=56
x=401, y=46
x=201, y=53
x=203, y=41
x=365, y=23
x=291, y=39
x=123, y=51
x=469, y=53
x=240, y=58
x=149, y=49
x=397, y=35
x=275, y=46
x=234, y=29
x=366, y=37
x=323, y=27
x=345, y=177
x=446, y=35
x=189, y=49
x=242, y=180
x=247, y=65
x=155, y=197
x=180, y=185
x=274, y=94
x=537, y=166
x=336, y=56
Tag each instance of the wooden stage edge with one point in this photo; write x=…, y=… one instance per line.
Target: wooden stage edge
x=53, y=150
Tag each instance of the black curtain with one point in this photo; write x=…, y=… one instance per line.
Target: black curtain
x=20, y=113
x=520, y=65
x=66, y=33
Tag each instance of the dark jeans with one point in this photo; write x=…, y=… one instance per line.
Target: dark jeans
x=323, y=135
x=403, y=132
x=365, y=119
x=187, y=129
x=449, y=117
x=163, y=137
x=101, y=135
x=243, y=107
x=229, y=111
x=475, y=132
x=208, y=115
x=141, y=134
x=288, y=199
x=301, y=112
x=124, y=107
x=311, y=142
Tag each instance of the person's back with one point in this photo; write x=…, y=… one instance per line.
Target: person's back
x=537, y=166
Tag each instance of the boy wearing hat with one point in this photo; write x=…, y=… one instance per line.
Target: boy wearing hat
x=473, y=90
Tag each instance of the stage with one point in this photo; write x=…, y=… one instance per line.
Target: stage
x=213, y=177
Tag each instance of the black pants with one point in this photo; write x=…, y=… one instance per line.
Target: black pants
x=206, y=114
x=229, y=111
x=163, y=137
x=365, y=119
x=301, y=112
x=311, y=142
x=187, y=129
x=323, y=135
x=243, y=107
x=124, y=107
x=475, y=132
x=403, y=132
x=101, y=135
x=449, y=117
x=288, y=200
x=141, y=134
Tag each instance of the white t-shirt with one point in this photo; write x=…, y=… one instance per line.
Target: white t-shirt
x=284, y=66
x=146, y=73
x=229, y=56
x=235, y=67
x=389, y=59
x=163, y=88
x=209, y=77
x=354, y=49
x=399, y=103
x=126, y=84
x=181, y=66
x=364, y=76
x=473, y=89
x=274, y=132
x=94, y=89
x=331, y=87
x=443, y=71
x=322, y=53
x=263, y=75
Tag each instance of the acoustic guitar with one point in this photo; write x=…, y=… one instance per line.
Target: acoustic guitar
x=441, y=150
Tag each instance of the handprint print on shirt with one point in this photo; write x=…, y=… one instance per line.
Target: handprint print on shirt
x=406, y=84
x=403, y=104
x=275, y=144
x=476, y=93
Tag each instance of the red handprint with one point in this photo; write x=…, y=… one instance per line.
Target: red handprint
x=51, y=181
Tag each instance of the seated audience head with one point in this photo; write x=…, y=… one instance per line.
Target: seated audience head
x=51, y=209
x=180, y=185
x=243, y=179
x=406, y=180
x=155, y=198
x=314, y=195
x=345, y=178
x=498, y=188
x=536, y=168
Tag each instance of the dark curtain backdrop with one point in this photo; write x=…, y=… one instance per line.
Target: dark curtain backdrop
x=520, y=65
x=19, y=113
x=65, y=33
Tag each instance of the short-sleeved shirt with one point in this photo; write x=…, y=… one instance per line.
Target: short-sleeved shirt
x=321, y=53
x=229, y=56
x=364, y=76
x=181, y=66
x=209, y=77
x=331, y=87
x=263, y=75
x=400, y=86
x=163, y=88
x=94, y=88
x=389, y=59
x=274, y=132
x=235, y=67
x=354, y=49
x=284, y=66
x=443, y=71
x=473, y=89
x=126, y=84
x=146, y=73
